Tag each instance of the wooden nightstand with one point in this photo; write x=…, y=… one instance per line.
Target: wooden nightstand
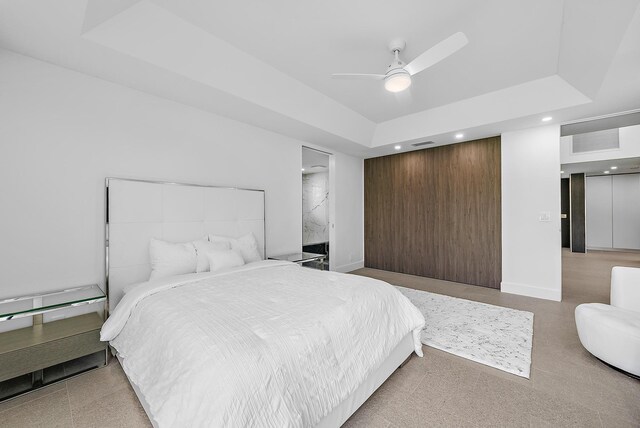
x=61, y=326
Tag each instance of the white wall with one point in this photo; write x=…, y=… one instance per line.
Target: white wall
x=63, y=132
x=347, y=209
x=629, y=139
x=531, y=249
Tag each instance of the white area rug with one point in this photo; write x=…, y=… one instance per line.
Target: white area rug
x=492, y=335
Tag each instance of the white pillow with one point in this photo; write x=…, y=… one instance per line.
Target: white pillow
x=219, y=260
x=246, y=245
x=203, y=247
x=171, y=259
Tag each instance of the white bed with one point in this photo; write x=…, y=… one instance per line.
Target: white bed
x=266, y=344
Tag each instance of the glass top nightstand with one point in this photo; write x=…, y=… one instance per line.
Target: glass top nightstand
x=301, y=257
x=49, y=337
x=25, y=306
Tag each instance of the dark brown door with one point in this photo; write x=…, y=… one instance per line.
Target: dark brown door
x=565, y=209
x=577, y=214
x=436, y=213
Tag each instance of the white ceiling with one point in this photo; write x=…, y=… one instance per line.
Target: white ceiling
x=269, y=63
x=352, y=36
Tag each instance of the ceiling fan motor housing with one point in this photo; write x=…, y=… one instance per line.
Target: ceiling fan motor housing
x=395, y=65
x=396, y=69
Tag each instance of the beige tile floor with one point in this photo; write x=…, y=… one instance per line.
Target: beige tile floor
x=568, y=387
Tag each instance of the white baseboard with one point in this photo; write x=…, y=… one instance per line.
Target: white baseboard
x=531, y=291
x=349, y=267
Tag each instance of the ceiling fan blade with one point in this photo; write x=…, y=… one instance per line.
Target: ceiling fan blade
x=354, y=76
x=437, y=53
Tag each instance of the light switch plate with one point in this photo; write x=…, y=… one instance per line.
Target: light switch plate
x=544, y=216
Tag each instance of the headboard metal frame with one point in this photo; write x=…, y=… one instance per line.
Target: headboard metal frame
x=109, y=200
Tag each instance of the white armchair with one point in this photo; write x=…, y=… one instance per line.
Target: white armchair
x=612, y=332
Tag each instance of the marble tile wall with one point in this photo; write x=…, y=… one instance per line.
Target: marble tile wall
x=315, y=208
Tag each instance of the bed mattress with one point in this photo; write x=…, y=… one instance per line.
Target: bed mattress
x=267, y=344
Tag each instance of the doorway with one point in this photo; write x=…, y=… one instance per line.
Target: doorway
x=610, y=225
x=316, y=214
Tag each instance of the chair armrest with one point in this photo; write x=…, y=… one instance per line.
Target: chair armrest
x=625, y=288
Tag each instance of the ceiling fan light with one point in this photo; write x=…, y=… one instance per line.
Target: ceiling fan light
x=397, y=82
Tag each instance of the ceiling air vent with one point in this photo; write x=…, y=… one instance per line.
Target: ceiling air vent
x=595, y=141
x=424, y=143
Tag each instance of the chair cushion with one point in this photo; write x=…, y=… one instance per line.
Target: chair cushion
x=611, y=334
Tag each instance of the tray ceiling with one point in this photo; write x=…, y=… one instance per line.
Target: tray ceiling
x=269, y=63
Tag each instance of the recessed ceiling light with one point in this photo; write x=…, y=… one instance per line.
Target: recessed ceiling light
x=397, y=147
x=614, y=167
x=561, y=172
x=606, y=172
x=546, y=119
x=302, y=169
x=458, y=136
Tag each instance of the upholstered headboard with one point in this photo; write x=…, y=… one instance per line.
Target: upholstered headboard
x=139, y=210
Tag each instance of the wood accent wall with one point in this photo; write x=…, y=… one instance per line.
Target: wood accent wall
x=436, y=213
x=578, y=215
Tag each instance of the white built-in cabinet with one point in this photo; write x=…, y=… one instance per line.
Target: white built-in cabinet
x=626, y=211
x=599, y=212
x=613, y=211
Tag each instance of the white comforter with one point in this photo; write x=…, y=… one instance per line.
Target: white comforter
x=267, y=344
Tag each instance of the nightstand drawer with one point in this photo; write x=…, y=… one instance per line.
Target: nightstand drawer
x=40, y=346
x=44, y=355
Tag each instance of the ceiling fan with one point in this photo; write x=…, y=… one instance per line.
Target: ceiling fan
x=398, y=75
